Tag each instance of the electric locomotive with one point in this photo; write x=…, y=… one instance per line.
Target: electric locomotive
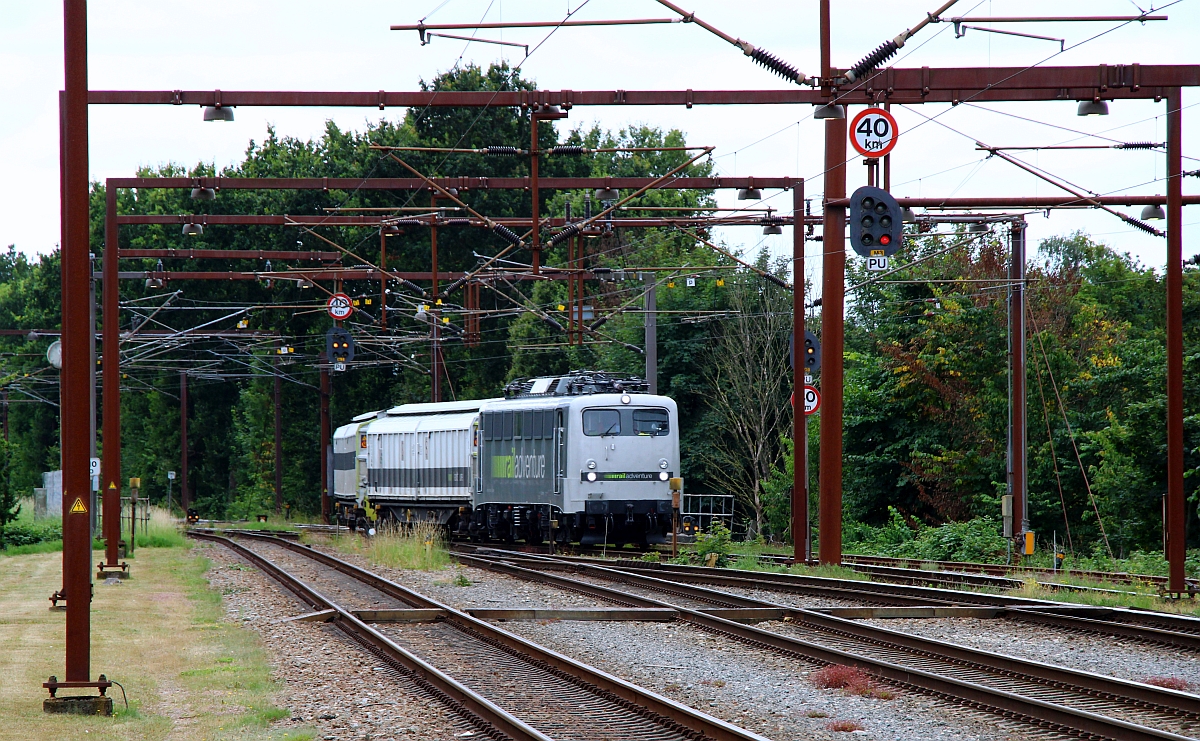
x=586, y=457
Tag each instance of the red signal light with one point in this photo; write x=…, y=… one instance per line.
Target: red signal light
x=885, y=239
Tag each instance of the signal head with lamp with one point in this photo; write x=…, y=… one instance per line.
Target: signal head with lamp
x=876, y=222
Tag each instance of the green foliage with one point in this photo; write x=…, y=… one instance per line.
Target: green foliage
x=716, y=540
x=977, y=539
x=30, y=533
x=10, y=505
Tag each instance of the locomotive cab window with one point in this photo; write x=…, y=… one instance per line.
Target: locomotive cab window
x=600, y=422
x=651, y=422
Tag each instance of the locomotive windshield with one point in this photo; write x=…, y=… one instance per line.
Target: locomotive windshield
x=651, y=422
x=626, y=422
x=601, y=422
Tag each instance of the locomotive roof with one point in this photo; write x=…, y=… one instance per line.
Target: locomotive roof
x=442, y=407
x=424, y=423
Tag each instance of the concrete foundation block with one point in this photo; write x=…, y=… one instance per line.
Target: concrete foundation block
x=87, y=705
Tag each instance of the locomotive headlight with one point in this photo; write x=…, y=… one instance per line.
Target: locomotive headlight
x=591, y=476
x=591, y=464
x=663, y=476
x=625, y=399
x=662, y=463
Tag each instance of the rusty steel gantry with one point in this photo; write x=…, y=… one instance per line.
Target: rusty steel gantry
x=875, y=87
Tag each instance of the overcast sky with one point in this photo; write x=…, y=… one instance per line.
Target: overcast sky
x=305, y=45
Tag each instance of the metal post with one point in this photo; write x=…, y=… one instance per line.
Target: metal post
x=325, y=472
x=110, y=472
x=93, y=499
x=76, y=339
x=184, y=493
x=651, y=321
x=133, y=505
x=382, y=279
x=1018, y=479
x=832, y=301
x=4, y=401
x=278, y=441
x=535, y=239
x=799, y=419
x=1175, y=522
x=435, y=347
x=887, y=160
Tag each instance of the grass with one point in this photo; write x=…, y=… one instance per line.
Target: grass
x=1143, y=601
x=844, y=726
x=419, y=545
x=274, y=522
x=162, y=531
x=162, y=634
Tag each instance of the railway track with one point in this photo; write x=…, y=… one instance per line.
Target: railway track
x=942, y=573
x=1073, y=703
x=1113, y=577
x=506, y=685
x=1175, y=631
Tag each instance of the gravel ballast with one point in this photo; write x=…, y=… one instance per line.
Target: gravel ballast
x=329, y=683
x=756, y=690
x=1107, y=655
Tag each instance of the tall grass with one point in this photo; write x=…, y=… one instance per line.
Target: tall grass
x=161, y=532
x=419, y=545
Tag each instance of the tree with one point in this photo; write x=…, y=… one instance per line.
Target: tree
x=9, y=504
x=748, y=384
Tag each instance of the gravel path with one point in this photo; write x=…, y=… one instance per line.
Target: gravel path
x=1098, y=654
x=329, y=684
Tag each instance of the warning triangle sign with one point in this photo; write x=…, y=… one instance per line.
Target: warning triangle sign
x=79, y=507
x=112, y=485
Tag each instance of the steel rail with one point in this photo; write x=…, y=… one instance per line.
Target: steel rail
x=1001, y=569
x=479, y=709
x=667, y=709
x=1176, y=631
x=1028, y=709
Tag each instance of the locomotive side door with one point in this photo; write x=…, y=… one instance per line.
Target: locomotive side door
x=560, y=451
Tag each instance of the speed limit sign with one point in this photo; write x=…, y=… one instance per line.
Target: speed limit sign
x=340, y=306
x=873, y=132
x=812, y=400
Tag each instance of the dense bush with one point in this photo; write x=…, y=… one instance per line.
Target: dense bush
x=30, y=533
x=716, y=540
x=978, y=539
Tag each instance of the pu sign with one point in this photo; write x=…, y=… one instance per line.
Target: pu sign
x=873, y=132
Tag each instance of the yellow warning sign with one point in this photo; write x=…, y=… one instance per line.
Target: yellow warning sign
x=79, y=507
x=112, y=485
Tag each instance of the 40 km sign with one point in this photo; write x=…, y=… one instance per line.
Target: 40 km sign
x=812, y=400
x=340, y=306
x=873, y=132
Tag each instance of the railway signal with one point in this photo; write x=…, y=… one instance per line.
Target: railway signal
x=812, y=353
x=339, y=347
x=876, y=222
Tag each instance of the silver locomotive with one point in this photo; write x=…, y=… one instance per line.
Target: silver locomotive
x=586, y=457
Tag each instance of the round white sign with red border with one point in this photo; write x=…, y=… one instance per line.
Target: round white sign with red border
x=340, y=306
x=873, y=132
x=812, y=399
